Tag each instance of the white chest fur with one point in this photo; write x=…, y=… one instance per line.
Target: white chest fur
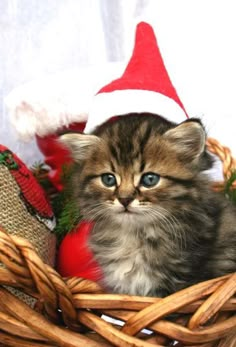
x=124, y=258
x=129, y=275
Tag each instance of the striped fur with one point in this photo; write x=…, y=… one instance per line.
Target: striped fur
x=152, y=240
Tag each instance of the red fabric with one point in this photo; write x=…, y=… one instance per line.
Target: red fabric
x=146, y=69
x=31, y=191
x=56, y=155
x=74, y=256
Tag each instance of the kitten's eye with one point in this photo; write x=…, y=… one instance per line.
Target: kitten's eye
x=149, y=179
x=108, y=180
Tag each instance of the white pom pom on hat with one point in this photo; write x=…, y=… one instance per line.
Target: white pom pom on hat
x=145, y=86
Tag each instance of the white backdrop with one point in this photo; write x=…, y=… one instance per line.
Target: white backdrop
x=61, y=48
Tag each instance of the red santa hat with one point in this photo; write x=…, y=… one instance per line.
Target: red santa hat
x=145, y=86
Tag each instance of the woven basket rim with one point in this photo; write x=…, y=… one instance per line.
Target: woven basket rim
x=65, y=306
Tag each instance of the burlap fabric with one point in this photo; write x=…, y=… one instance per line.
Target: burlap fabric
x=17, y=218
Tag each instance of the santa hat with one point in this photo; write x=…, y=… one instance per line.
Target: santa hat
x=144, y=86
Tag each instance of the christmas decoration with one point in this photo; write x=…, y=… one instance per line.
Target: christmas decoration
x=55, y=155
x=24, y=208
x=74, y=256
x=145, y=86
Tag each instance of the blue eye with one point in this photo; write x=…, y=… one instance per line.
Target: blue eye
x=149, y=179
x=108, y=180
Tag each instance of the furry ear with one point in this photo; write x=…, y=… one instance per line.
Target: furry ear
x=188, y=139
x=79, y=144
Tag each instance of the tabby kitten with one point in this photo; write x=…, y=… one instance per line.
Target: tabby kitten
x=158, y=226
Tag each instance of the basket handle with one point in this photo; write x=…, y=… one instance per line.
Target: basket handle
x=227, y=159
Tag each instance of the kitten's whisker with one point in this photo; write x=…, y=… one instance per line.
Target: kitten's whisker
x=96, y=211
x=168, y=223
x=178, y=231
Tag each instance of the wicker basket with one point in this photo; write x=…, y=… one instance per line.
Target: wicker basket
x=68, y=311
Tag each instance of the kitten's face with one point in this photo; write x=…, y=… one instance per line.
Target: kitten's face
x=134, y=170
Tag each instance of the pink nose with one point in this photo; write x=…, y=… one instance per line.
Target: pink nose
x=125, y=201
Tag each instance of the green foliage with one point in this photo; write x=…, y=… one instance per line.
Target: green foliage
x=66, y=212
x=65, y=207
x=229, y=191
x=63, y=203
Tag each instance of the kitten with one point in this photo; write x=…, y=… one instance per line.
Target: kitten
x=158, y=227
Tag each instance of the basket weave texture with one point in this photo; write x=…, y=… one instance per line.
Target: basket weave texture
x=68, y=310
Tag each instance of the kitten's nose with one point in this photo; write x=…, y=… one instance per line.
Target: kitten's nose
x=125, y=201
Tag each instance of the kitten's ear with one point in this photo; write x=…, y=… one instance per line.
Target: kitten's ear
x=188, y=139
x=79, y=144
